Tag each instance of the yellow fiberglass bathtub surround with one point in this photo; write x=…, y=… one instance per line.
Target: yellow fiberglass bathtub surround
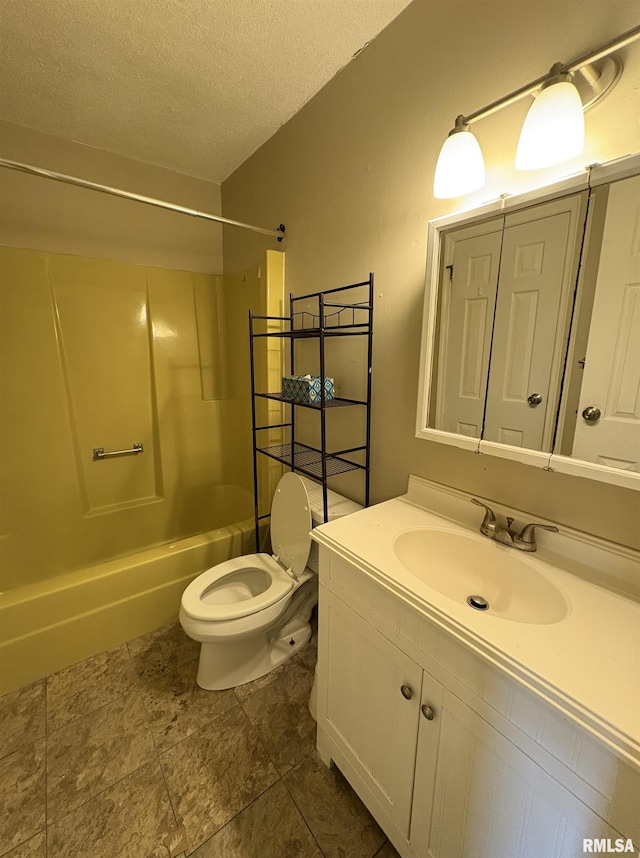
x=96, y=353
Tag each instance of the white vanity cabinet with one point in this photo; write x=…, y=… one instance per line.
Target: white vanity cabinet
x=366, y=710
x=451, y=755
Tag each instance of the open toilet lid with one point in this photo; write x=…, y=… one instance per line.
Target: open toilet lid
x=291, y=523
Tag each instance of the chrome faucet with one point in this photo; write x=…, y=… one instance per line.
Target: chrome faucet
x=523, y=541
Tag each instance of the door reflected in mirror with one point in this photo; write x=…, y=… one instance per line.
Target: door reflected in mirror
x=531, y=335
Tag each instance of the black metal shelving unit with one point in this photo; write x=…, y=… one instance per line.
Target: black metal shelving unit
x=336, y=316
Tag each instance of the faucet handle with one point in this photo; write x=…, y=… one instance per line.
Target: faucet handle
x=526, y=539
x=488, y=526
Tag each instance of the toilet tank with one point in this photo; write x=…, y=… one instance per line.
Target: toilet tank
x=337, y=506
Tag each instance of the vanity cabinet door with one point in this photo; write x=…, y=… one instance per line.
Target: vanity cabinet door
x=482, y=797
x=371, y=707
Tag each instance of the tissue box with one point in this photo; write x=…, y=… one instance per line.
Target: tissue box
x=306, y=388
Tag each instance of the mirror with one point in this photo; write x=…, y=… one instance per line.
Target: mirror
x=531, y=331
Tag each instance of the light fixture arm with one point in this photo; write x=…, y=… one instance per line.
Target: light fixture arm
x=559, y=68
x=608, y=48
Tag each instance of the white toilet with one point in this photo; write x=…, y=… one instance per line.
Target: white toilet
x=252, y=613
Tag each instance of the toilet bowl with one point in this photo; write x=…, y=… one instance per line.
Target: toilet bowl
x=252, y=613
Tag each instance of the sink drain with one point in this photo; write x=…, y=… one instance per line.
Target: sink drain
x=478, y=603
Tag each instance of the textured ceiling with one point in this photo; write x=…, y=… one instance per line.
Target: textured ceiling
x=192, y=85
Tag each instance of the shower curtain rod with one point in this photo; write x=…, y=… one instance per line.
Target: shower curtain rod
x=128, y=195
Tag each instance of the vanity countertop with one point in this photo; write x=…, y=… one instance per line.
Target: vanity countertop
x=587, y=664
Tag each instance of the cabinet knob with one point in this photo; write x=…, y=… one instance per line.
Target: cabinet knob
x=407, y=691
x=428, y=712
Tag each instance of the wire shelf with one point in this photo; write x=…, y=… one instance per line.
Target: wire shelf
x=309, y=460
x=308, y=333
x=336, y=402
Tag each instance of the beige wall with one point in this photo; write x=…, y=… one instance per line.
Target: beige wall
x=47, y=215
x=351, y=177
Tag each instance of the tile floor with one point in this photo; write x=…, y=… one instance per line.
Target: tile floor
x=123, y=756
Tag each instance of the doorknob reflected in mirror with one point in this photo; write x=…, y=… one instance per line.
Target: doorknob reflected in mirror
x=534, y=399
x=591, y=414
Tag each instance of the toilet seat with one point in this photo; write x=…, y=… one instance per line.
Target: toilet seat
x=231, y=575
x=245, y=585
x=291, y=523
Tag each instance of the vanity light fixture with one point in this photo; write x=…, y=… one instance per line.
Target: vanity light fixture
x=460, y=167
x=553, y=130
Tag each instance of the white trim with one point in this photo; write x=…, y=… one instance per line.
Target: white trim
x=571, y=185
x=592, y=176
x=613, y=171
x=593, y=471
x=428, y=330
x=463, y=441
x=516, y=454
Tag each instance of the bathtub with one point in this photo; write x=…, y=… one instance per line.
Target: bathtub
x=50, y=625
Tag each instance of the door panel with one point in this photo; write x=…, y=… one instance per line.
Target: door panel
x=612, y=367
x=527, y=320
x=468, y=305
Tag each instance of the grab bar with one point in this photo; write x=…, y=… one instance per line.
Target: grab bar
x=99, y=453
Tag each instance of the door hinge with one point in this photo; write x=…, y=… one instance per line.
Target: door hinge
x=450, y=270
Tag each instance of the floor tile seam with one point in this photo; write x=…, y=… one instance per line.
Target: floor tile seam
x=322, y=852
x=17, y=748
x=55, y=822
x=126, y=643
x=138, y=734
x=260, y=742
x=306, y=666
x=147, y=716
x=187, y=661
x=256, y=730
x=161, y=751
x=97, y=795
x=132, y=691
x=160, y=756
x=169, y=796
x=46, y=770
x=21, y=689
x=23, y=748
x=236, y=815
x=288, y=666
x=81, y=661
x=130, y=665
x=299, y=809
x=22, y=842
x=155, y=677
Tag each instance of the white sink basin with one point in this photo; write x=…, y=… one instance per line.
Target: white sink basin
x=460, y=565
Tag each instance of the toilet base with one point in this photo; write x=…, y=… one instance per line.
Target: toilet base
x=226, y=664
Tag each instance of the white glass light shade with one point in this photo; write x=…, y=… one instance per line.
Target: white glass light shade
x=460, y=167
x=553, y=131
